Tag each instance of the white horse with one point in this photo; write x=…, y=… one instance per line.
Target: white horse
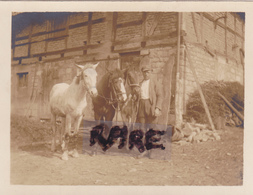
x=69, y=102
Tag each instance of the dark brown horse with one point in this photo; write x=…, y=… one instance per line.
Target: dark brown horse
x=130, y=107
x=111, y=92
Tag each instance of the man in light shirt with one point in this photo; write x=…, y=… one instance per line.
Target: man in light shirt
x=150, y=100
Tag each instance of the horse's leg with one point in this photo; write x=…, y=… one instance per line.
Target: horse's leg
x=54, y=132
x=97, y=118
x=108, y=118
x=76, y=128
x=62, y=132
x=67, y=134
x=124, y=117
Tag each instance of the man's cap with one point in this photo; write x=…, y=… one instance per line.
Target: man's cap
x=146, y=68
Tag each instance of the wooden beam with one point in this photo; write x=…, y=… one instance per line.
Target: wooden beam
x=147, y=38
x=199, y=89
x=69, y=50
x=46, y=42
x=226, y=35
x=100, y=20
x=144, y=17
x=127, y=24
x=29, y=41
x=114, y=24
x=154, y=24
x=89, y=28
x=67, y=33
x=78, y=25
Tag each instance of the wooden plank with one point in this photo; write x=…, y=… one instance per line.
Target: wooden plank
x=199, y=89
x=231, y=106
x=154, y=24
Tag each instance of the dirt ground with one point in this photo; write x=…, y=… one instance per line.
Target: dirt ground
x=212, y=163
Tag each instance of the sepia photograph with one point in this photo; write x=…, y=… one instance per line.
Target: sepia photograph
x=127, y=98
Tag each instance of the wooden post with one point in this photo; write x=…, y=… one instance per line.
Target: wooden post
x=178, y=114
x=114, y=24
x=89, y=28
x=199, y=89
x=226, y=35
x=143, y=26
x=167, y=79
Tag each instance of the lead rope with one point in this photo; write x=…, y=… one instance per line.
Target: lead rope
x=112, y=100
x=137, y=109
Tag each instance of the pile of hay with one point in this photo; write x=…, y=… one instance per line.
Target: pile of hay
x=232, y=91
x=25, y=130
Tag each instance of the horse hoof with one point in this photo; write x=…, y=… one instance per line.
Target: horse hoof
x=93, y=153
x=142, y=155
x=63, y=145
x=65, y=156
x=74, y=153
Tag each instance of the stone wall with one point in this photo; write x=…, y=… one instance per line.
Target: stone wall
x=214, y=44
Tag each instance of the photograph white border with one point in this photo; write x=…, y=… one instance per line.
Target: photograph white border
x=6, y=9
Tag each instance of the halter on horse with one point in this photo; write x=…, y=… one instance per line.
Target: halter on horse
x=69, y=102
x=111, y=92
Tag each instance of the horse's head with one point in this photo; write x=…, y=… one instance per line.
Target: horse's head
x=88, y=78
x=132, y=80
x=117, y=85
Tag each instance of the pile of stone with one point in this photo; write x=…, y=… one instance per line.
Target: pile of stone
x=194, y=133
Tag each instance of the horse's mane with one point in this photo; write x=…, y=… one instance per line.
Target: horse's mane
x=103, y=85
x=116, y=74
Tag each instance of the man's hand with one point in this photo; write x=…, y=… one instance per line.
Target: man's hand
x=157, y=112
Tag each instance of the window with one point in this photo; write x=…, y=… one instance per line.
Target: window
x=22, y=79
x=130, y=60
